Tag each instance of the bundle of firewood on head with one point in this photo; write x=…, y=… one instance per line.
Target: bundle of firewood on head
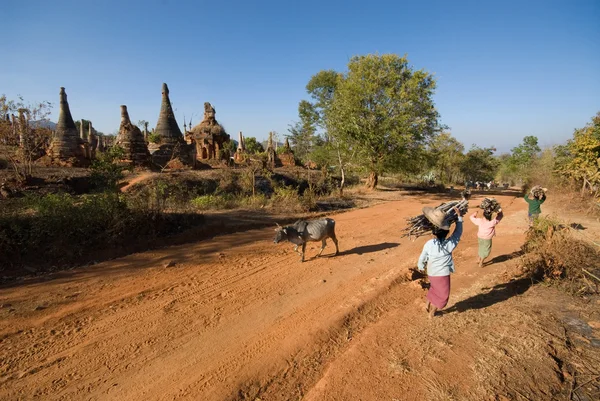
x=490, y=205
x=442, y=217
x=538, y=192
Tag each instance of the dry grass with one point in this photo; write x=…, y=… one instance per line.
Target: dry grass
x=554, y=255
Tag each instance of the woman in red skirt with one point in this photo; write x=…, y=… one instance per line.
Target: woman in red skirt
x=437, y=256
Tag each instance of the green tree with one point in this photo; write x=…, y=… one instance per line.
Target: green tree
x=479, y=164
x=446, y=154
x=579, y=159
x=253, y=146
x=302, y=134
x=379, y=108
x=517, y=167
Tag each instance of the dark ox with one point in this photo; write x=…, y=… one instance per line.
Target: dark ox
x=304, y=231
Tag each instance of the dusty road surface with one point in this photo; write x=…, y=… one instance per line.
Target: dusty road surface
x=238, y=317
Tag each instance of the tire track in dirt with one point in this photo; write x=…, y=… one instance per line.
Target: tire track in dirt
x=199, y=329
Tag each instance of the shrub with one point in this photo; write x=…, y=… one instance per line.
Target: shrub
x=554, y=255
x=154, y=137
x=60, y=229
x=106, y=171
x=287, y=198
x=222, y=201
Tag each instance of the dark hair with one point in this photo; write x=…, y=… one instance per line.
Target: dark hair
x=487, y=215
x=440, y=233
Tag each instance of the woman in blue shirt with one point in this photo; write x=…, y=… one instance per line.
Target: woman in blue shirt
x=437, y=256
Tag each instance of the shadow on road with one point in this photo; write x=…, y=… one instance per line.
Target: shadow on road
x=498, y=293
x=503, y=258
x=359, y=250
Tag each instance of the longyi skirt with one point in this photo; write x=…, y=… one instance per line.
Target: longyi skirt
x=439, y=291
x=485, y=247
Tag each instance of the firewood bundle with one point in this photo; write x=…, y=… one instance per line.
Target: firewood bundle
x=490, y=205
x=537, y=192
x=419, y=225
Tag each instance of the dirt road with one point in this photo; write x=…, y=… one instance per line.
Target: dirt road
x=238, y=317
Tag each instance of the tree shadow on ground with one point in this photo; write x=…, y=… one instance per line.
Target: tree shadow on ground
x=503, y=258
x=360, y=250
x=498, y=293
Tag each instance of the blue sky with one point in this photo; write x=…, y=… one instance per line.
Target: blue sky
x=505, y=69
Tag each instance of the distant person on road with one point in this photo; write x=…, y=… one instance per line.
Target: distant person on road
x=437, y=255
x=535, y=204
x=487, y=230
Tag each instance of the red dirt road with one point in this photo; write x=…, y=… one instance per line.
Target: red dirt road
x=238, y=317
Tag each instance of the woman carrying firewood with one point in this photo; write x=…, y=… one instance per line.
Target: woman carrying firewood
x=437, y=255
x=535, y=209
x=487, y=230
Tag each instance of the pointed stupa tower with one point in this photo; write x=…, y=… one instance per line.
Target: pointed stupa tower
x=171, y=148
x=131, y=139
x=65, y=144
x=241, y=145
x=167, y=126
x=286, y=157
x=271, y=155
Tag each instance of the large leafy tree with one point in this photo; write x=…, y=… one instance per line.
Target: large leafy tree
x=517, y=166
x=380, y=108
x=479, y=164
x=302, y=134
x=253, y=146
x=580, y=157
x=446, y=153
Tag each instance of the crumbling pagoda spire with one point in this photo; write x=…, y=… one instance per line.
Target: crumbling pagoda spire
x=241, y=145
x=131, y=140
x=65, y=144
x=171, y=149
x=167, y=126
x=209, y=136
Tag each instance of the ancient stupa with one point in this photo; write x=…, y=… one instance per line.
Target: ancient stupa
x=131, y=139
x=171, y=144
x=240, y=154
x=209, y=136
x=271, y=154
x=286, y=157
x=65, y=146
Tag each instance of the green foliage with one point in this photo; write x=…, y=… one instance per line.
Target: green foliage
x=446, y=154
x=479, y=164
x=253, y=146
x=106, y=170
x=287, y=198
x=153, y=137
x=380, y=108
x=231, y=146
x=517, y=167
x=303, y=136
x=579, y=159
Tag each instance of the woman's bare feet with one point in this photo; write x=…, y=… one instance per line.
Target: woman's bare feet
x=432, y=310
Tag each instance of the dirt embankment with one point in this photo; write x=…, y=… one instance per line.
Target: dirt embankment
x=237, y=317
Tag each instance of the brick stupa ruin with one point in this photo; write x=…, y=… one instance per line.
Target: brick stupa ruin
x=131, y=140
x=66, y=146
x=209, y=136
x=286, y=157
x=240, y=154
x=171, y=150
